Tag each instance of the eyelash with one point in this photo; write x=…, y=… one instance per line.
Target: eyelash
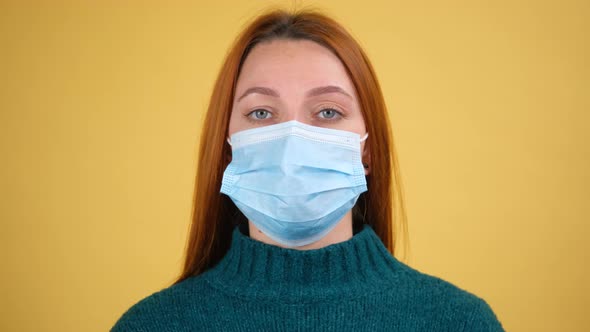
x=338, y=114
x=252, y=117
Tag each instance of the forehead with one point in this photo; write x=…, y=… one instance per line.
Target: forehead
x=293, y=64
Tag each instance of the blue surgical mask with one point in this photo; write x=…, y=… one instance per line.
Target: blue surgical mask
x=294, y=181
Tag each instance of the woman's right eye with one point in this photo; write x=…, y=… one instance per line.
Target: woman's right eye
x=260, y=114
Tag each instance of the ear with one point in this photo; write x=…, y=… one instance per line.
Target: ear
x=366, y=158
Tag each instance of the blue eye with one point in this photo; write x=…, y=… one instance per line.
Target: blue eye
x=260, y=114
x=329, y=113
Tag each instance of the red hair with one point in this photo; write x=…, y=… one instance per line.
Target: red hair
x=214, y=215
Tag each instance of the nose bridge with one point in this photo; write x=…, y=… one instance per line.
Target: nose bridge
x=292, y=114
x=295, y=110
x=295, y=115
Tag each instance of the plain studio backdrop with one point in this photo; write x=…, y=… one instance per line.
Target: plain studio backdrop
x=101, y=104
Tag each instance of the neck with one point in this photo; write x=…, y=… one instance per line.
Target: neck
x=341, y=232
x=354, y=267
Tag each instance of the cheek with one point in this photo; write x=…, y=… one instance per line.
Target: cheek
x=357, y=123
x=233, y=125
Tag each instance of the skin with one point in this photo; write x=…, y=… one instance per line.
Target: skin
x=274, y=86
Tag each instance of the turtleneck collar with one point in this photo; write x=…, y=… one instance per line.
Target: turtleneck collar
x=253, y=269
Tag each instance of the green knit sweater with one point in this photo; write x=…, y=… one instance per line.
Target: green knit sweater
x=356, y=285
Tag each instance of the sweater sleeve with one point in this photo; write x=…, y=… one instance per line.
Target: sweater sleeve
x=483, y=319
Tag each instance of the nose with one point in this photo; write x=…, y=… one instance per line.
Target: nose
x=296, y=115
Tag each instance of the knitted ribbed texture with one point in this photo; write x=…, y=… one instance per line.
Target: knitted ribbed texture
x=356, y=285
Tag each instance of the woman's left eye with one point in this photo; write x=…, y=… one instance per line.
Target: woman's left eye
x=329, y=113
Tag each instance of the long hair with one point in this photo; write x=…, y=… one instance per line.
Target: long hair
x=214, y=215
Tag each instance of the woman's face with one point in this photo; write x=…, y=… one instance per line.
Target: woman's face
x=286, y=80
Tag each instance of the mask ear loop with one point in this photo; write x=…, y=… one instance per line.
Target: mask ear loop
x=366, y=166
x=228, y=141
x=363, y=138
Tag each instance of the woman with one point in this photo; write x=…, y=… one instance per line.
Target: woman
x=296, y=199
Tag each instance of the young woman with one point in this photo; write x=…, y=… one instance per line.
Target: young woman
x=297, y=200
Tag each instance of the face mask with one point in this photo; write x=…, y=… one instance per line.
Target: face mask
x=295, y=181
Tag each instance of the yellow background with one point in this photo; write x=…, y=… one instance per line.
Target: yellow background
x=100, y=111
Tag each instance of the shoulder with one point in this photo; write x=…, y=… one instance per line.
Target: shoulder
x=165, y=309
x=446, y=303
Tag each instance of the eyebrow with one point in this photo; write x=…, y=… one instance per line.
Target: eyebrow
x=261, y=90
x=311, y=93
x=327, y=89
